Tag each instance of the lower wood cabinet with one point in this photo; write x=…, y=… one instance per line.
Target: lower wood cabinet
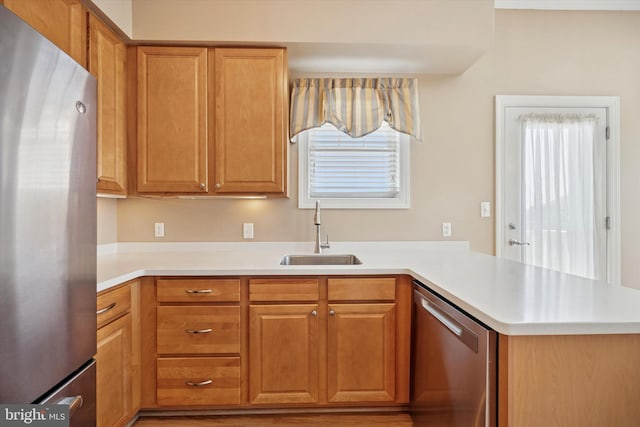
x=283, y=344
x=114, y=379
x=361, y=353
x=189, y=381
x=275, y=342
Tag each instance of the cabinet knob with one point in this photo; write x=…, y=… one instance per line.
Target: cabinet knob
x=314, y=313
x=203, y=185
x=218, y=186
x=332, y=313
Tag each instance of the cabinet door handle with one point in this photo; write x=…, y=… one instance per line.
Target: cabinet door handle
x=198, y=291
x=218, y=186
x=314, y=313
x=198, y=331
x=332, y=313
x=107, y=308
x=198, y=384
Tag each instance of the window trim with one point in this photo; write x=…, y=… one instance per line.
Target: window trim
x=402, y=201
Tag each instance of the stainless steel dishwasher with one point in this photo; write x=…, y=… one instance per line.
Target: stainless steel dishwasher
x=453, y=365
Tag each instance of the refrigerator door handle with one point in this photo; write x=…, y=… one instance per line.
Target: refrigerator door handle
x=74, y=403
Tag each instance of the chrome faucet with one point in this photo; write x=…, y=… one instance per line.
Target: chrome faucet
x=316, y=221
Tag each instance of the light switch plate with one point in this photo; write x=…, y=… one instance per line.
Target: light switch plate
x=446, y=229
x=485, y=209
x=247, y=230
x=158, y=229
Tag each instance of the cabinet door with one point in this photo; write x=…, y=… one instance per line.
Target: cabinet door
x=107, y=58
x=172, y=120
x=361, y=346
x=113, y=373
x=251, y=120
x=283, y=349
x=61, y=21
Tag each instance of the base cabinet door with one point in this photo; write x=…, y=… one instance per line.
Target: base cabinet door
x=361, y=346
x=283, y=343
x=113, y=373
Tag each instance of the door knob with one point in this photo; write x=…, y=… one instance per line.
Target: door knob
x=513, y=242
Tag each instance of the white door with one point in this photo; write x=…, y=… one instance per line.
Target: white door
x=554, y=188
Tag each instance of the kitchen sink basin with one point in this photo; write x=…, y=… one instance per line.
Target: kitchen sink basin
x=320, y=259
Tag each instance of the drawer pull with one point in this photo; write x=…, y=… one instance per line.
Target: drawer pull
x=198, y=331
x=107, y=308
x=198, y=384
x=198, y=291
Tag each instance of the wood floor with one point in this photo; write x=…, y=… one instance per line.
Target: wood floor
x=315, y=420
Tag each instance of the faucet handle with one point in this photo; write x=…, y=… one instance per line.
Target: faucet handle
x=325, y=245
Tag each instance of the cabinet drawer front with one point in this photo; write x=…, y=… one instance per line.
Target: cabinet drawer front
x=198, y=329
x=283, y=290
x=112, y=304
x=191, y=381
x=362, y=289
x=198, y=290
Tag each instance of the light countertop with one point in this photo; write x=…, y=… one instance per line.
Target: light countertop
x=512, y=298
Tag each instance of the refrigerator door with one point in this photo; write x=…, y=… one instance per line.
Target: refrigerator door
x=79, y=393
x=47, y=213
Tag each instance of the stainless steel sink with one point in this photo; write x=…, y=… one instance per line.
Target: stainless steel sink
x=320, y=259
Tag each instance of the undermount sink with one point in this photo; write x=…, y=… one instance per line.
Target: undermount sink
x=320, y=259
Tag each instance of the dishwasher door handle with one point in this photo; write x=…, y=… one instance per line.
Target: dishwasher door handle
x=451, y=325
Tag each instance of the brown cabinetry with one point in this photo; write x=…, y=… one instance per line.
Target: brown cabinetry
x=283, y=343
x=172, y=120
x=107, y=62
x=361, y=344
x=250, y=120
x=296, y=337
x=64, y=22
x=114, y=359
x=198, y=344
x=211, y=121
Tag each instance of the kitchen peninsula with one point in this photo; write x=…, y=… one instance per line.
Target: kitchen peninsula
x=568, y=347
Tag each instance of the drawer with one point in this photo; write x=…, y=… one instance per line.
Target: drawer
x=191, y=381
x=362, y=289
x=198, y=290
x=283, y=290
x=112, y=304
x=198, y=329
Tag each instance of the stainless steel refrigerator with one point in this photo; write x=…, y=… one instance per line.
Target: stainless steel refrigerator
x=47, y=224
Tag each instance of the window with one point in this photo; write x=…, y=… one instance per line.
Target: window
x=371, y=172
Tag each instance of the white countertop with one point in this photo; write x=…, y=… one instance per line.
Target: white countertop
x=510, y=297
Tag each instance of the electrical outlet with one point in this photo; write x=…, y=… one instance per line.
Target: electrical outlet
x=446, y=229
x=247, y=230
x=159, y=229
x=485, y=209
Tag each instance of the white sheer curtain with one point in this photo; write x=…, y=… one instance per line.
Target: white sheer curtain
x=563, y=187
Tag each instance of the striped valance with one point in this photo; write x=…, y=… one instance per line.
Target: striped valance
x=356, y=106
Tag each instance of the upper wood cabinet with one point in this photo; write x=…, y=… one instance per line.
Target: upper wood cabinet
x=172, y=120
x=211, y=121
x=250, y=120
x=107, y=62
x=61, y=21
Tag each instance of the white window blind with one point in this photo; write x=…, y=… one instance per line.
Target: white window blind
x=341, y=166
x=366, y=172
